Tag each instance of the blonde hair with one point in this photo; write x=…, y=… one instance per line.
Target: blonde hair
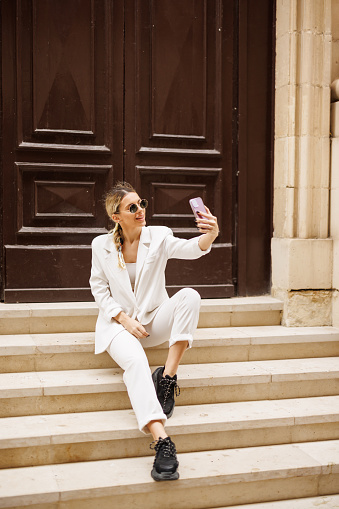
x=112, y=202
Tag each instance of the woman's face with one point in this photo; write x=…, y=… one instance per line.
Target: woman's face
x=127, y=219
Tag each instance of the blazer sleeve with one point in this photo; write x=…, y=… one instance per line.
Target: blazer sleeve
x=182, y=248
x=100, y=288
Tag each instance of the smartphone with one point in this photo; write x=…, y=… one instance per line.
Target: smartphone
x=197, y=206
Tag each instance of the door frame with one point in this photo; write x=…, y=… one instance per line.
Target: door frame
x=255, y=151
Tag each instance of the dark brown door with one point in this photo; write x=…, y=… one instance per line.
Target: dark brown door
x=178, y=125
x=96, y=91
x=62, y=140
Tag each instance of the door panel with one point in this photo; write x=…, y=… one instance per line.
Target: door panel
x=179, y=125
x=172, y=77
x=57, y=197
x=62, y=79
x=178, y=95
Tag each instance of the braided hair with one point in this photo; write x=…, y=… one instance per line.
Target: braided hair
x=112, y=202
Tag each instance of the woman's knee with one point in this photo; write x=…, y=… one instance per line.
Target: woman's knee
x=191, y=296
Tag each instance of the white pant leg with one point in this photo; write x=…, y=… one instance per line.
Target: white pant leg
x=176, y=319
x=128, y=353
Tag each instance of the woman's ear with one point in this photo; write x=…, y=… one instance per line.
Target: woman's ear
x=115, y=218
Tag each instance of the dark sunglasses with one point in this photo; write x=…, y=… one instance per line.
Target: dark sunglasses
x=134, y=207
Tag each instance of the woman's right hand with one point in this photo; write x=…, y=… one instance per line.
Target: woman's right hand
x=131, y=325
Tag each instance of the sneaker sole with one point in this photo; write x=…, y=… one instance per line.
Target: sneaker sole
x=170, y=414
x=164, y=476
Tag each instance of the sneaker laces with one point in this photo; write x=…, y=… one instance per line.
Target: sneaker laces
x=167, y=446
x=167, y=384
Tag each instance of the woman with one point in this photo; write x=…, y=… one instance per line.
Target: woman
x=135, y=312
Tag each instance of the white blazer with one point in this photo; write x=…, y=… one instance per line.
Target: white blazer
x=111, y=286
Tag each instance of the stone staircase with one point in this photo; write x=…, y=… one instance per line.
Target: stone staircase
x=257, y=421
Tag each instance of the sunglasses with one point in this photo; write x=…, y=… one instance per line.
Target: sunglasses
x=134, y=207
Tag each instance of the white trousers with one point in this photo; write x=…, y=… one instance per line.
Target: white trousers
x=176, y=320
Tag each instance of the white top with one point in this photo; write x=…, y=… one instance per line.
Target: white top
x=131, y=269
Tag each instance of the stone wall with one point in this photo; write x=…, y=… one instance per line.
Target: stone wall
x=335, y=39
x=302, y=250
x=334, y=218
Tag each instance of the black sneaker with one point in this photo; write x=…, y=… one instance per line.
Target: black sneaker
x=165, y=462
x=165, y=388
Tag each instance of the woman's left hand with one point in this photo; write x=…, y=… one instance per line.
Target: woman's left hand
x=208, y=224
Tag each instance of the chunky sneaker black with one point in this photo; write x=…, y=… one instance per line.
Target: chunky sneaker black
x=165, y=388
x=165, y=466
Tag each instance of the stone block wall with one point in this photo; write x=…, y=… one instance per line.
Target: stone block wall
x=335, y=40
x=334, y=216
x=302, y=249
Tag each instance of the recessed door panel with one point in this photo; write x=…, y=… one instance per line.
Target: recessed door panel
x=61, y=196
x=177, y=76
x=63, y=57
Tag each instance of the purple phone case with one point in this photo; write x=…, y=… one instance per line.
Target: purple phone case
x=197, y=205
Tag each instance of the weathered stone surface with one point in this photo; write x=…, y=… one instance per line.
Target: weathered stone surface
x=307, y=61
x=300, y=264
x=335, y=60
x=309, y=308
x=335, y=117
x=335, y=308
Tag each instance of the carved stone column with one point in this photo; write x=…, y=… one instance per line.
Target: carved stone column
x=301, y=246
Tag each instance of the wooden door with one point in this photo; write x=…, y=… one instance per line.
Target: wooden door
x=178, y=125
x=62, y=140
x=151, y=91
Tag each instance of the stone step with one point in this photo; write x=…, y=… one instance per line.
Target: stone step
x=88, y=436
x=324, y=502
x=48, y=392
x=209, y=478
x=49, y=352
x=42, y=318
